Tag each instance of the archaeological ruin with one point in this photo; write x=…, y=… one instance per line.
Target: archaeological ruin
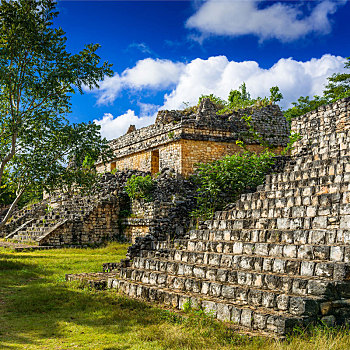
x=275, y=259
x=177, y=142
x=279, y=258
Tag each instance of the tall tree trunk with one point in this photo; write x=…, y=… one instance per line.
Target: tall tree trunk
x=11, y=209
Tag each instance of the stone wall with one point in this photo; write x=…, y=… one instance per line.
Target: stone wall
x=76, y=220
x=194, y=152
x=167, y=215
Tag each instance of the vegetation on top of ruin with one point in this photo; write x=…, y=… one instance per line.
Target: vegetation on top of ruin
x=241, y=98
x=38, y=78
x=222, y=182
x=338, y=87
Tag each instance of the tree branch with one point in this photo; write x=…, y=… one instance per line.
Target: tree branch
x=8, y=156
x=11, y=209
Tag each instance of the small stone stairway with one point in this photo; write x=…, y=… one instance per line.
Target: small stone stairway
x=35, y=229
x=73, y=221
x=280, y=257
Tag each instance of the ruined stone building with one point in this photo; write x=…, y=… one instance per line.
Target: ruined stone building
x=181, y=139
x=277, y=258
x=178, y=140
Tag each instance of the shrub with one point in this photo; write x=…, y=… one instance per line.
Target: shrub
x=140, y=187
x=222, y=181
x=218, y=102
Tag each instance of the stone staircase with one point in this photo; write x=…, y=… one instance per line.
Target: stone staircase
x=280, y=257
x=72, y=221
x=35, y=229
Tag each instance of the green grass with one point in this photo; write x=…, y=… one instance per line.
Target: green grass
x=39, y=310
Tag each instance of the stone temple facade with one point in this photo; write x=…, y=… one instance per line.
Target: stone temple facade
x=182, y=139
x=278, y=258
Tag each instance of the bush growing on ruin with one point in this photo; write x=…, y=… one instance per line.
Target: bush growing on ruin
x=223, y=181
x=218, y=102
x=238, y=99
x=140, y=187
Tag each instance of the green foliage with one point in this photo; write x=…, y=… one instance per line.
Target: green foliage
x=304, y=105
x=293, y=137
x=275, y=94
x=241, y=98
x=222, y=181
x=140, y=187
x=338, y=87
x=219, y=103
x=38, y=77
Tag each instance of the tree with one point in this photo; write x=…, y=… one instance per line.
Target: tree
x=338, y=87
x=275, y=94
x=304, y=105
x=38, y=77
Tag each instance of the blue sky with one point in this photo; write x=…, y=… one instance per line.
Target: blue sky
x=165, y=54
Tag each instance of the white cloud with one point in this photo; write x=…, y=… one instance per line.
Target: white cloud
x=283, y=21
x=218, y=75
x=112, y=127
x=148, y=73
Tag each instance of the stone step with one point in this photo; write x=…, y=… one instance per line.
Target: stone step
x=283, y=267
x=287, y=223
x=293, y=237
x=316, y=151
x=331, y=166
x=314, y=173
x=272, y=204
x=261, y=319
x=23, y=239
x=330, y=180
x=293, y=284
x=264, y=295
x=297, y=193
x=294, y=252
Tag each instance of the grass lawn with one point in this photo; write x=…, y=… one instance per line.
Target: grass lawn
x=39, y=310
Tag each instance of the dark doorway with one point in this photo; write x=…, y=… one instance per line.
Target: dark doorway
x=155, y=161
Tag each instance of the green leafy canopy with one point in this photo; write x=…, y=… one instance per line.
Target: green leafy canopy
x=38, y=77
x=338, y=87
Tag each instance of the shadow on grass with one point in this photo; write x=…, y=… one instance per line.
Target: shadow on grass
x=39, y=305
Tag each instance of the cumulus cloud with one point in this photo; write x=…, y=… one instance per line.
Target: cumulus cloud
x=280, y=20
x=112, y=127
x=218, y=75
x=148, y=73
